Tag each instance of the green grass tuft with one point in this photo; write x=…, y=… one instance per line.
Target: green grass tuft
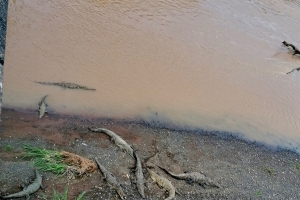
x=80, y=197
x=58, y=196
x=46, y=160
x=298, y=166
x=258, y=193
x=270, y=170
x=8, y=147
x=62, y=196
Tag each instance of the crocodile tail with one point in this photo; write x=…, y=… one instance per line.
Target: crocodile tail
x=44, y=97
x=41, y=82
x=164, y=170
x=120, y=193
x=214, y=184
x=161, y=168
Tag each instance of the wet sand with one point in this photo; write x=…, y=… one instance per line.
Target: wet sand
x=244, y=170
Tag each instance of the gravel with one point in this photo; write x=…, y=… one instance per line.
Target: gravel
x=244, y=170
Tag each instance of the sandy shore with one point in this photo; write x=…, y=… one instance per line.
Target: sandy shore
x=243, y=170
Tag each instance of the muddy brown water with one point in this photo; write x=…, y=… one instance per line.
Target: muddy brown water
x=214, y=65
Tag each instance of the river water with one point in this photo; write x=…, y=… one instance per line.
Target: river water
x=214, y=65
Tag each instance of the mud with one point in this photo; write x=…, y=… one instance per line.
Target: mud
x=243, y=170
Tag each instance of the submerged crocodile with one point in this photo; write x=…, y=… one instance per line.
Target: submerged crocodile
x=193, y=177
x=164, y=183
x=115, y=138
x=298, y=69
x=139, y=176
x=30, y=189
x=296, y=50
x=66, y=85
x=111, y=179
x=42, y=107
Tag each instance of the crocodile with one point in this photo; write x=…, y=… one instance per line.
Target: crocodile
x=42, y=107
x=111, y=179
x=164, y=183
x=296, y=50
x=30, y=189
x=66, y=85
x=298, y=69
x=115, y=138
x=139, y=176
x=193, y=177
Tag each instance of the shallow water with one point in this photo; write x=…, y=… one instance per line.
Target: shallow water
x=215, y=65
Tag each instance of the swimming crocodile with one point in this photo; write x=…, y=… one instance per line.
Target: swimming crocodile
x=111, y=179
x=164, y=183
x=193, y=177
x=298, y=69
x=30, y=189
x=296, y=50
x=116, y=139
x=42, y=107
x=66, y=85
x=139, y=175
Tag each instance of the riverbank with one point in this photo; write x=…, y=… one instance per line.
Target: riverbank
x=243, y=170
